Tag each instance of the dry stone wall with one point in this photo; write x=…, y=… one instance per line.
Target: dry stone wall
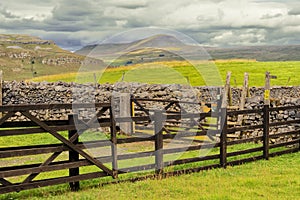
x=61, y=92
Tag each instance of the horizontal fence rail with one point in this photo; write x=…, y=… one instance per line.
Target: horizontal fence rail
x=37, y=152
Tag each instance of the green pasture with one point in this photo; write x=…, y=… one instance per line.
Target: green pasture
x=184, y=73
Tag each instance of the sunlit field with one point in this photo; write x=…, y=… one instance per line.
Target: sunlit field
x=185, y=73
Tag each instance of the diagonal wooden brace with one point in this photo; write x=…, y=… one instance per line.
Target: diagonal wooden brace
x=68, y=143
x=47, y=162
x=6, y=117
x=87, y=124
x=5, y=182
x=141, y=107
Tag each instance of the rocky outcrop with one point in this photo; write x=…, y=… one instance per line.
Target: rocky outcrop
x=60, y=61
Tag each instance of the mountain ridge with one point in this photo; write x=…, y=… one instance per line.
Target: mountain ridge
x=259, y=53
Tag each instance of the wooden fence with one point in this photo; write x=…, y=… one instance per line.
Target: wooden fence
x=200, y=142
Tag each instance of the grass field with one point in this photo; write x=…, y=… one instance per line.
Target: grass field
x=278, y=178
x=185, y=73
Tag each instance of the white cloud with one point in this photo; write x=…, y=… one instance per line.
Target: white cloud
x=213, y=22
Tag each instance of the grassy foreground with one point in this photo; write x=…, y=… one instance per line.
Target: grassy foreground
x=278, y=178
x=186, y=73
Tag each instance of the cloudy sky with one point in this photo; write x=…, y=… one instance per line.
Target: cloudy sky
x=74, y=23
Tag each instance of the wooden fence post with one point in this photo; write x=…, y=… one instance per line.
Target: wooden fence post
x=113, y=139
x=158, y=125
x=132, y=113
x=223, y=123
x=1, y=92
x=73, y=155
x=266, y=117
x=244, y=92
x=226, y=90
x=266, y=131
x=122, y=105
x=223, y=138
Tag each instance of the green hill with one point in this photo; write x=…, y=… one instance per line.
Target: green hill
x=23, y=57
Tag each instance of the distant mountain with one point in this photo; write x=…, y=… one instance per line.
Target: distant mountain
x=23, y=57
x=259, y=53
x=157, y=41
x=164, y=47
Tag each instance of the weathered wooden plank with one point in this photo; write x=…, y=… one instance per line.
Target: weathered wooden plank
x=32, y=124
x=245, y=160
x=137, y=168
x=244, y=128
x=241, y=141
x=287, y=151
x=37, y=168
x=243, y=112
x=282, y=144
x=134, y=119
x=285, y=123
x=135, y=139
x=192, y=170
x=51, y=148
x=190, y=160
x=22, y=107
x=171, y=101
x=190, y=148
x=245, y=151
x=48, y=182
x=283, y=108
x=285, y=134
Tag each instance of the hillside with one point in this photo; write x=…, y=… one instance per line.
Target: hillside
x=168, y=48
x=23, y=57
